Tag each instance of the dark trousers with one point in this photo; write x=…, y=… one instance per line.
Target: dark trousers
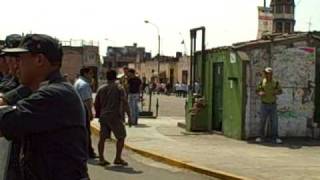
x=14, y=169
x=269, y=112
x=90, y=148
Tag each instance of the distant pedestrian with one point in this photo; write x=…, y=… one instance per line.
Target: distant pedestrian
x=268, y=89
x=110, y=100
x=83, y=87
x=177, y=89
x=134, y=89
x=197, y=87
x=184, y=89
x=124, y=79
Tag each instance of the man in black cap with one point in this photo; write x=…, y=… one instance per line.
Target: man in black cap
x=8, y=65
x=47, y=110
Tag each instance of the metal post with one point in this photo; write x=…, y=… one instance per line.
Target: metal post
x=150, y=99
x=157, y=108
x=159, y=55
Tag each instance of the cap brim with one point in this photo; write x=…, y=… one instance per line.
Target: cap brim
x=15, y=50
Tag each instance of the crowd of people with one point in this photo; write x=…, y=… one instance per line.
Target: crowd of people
x=41, y=113
x=47, y=119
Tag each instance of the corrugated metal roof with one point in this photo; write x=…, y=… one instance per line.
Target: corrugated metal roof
x=279, y=37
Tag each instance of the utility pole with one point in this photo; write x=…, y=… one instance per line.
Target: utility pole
x=309, y=25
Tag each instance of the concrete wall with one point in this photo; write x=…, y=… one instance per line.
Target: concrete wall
x=72, y=63
x=145, y=68
x=182, y=65
x=294, y=68
x=75, y=58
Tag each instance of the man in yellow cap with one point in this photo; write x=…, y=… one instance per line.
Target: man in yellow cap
x=268, y=89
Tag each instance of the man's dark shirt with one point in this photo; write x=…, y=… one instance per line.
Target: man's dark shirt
x=53, y=119
x=8, y=83
x=134, y=85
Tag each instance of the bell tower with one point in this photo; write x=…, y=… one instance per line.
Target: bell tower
x=265, y=21
x=283, y=16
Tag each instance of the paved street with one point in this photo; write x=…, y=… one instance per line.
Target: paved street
x=139, y=168
x=168, y=105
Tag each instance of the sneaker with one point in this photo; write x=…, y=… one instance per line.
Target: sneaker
x=258, y=140
x=278, y=141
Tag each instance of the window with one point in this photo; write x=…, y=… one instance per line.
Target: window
x=278, y=27
x=288, y=9
x=287, y=27
x=185, y=77
x=279, y=9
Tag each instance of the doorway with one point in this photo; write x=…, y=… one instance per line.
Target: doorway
x=217, y=106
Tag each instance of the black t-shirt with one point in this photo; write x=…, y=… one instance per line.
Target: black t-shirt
x=53, y=120
x=134, y=85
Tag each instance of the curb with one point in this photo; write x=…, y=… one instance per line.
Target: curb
x=177, y=163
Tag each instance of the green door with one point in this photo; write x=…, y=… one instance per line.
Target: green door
x=217, y=96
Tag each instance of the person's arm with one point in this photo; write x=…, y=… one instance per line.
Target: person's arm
x=31, y=115
x=97, y=105
x=86, y=96
x=13, y=96
x=259, y=89
x=278, y=89
x=88, y=103
x=125, y=104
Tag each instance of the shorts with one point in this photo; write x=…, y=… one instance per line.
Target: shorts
x=112, y=124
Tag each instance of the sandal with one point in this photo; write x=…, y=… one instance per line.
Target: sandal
x=103, y=163
x=120, y=162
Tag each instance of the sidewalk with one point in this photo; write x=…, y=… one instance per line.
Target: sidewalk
x=223, y=157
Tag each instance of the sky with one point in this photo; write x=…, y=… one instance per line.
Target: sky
x=121, y=22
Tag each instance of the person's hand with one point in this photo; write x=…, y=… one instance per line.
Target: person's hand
x=261, y=93
x=2, y=102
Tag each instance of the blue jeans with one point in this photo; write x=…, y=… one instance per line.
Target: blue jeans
x=134, y=108
x=269, y=111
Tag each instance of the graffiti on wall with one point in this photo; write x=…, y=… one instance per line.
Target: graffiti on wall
x=294, y=68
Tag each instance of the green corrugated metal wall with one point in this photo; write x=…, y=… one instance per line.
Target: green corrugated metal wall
x=232, y=96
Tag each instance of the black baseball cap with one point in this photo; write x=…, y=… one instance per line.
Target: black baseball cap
x=11, y=41
x=39, y=43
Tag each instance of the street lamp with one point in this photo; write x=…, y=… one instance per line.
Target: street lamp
x=148, y=22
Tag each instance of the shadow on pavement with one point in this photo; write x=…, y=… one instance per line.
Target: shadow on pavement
x=123, y=169
x=291, y=143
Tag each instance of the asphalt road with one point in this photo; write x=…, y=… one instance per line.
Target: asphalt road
x=139, y=168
